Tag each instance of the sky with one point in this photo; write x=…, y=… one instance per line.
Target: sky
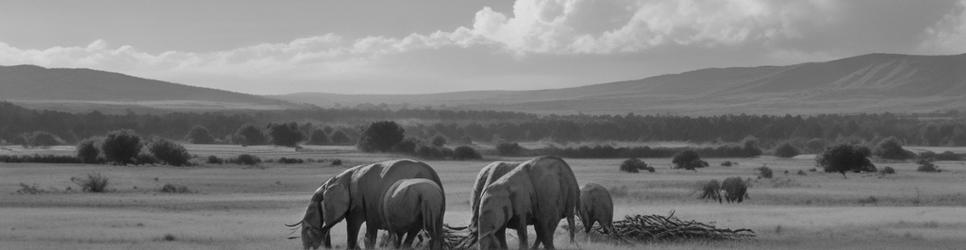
x=431, y=46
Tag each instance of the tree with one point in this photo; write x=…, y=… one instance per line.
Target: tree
x=318, y=137
x=380, y=136
x=42, y=139
x=340, y=138
x=786, y=150
x=199, y=135
x=890, y=148
x=844, y=158
x=406, y=146
x=466, y=153
x=750, y=146
x=250, y=135
x=169, y=152
x=439, y=140
x=88, y=150
x=121, y=146
x=509, y=149
x=688, y=159
x=285, y=134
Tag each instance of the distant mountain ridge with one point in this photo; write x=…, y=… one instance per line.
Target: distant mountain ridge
x=32, y=84
x=867, y=83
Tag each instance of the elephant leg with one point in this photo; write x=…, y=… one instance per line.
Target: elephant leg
x=522, y=234
x=372, y=233
x=327, y=240
x=397, y=240
x=588, y=224
x=546, y=236
x=410, y=237
x=501, y=237
x=353, y=224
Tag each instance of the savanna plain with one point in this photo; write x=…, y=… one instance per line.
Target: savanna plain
x=245, y=207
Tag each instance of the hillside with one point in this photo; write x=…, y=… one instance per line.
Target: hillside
x=52, y=87
x=868, y=83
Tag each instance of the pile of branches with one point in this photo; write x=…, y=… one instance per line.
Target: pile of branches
x=453, y=237
x=655, y=228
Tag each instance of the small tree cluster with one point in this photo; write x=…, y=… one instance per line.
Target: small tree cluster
x=765, y=172
x=199, y=135
x=246, y=159
x=318, y=137
x=688, y=159
x=168, y=152
x=89, y=150
x=927, y=166
x=786, y=150
x=380, y=136
x=92, y=183
x=944, y=156
x=250, y=135
x=466, y=153
x=285, y=134
x=509, y=149
x=121, y=146
x=844, y=158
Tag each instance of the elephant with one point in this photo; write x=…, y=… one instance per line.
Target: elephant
x=491, y=172
x=597, y=206
x=540, y=192
x=736, y=190
x=712, y=191
x=410, y=205
x=355, y=195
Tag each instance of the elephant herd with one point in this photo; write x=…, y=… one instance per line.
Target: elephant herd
x=404, y=197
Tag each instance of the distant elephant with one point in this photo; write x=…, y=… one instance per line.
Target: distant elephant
x=596, y=205
x=491, y=172
x=736, y=190
x=712, y=191
x=411, y=205
x=356, y=195
x=540, y=192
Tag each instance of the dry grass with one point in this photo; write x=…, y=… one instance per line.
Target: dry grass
x=245, y=208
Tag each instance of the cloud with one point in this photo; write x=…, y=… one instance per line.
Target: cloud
x=607, y=31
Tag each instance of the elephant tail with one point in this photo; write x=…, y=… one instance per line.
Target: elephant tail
x=433, y=224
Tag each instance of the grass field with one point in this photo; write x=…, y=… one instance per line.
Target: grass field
x=243, y=207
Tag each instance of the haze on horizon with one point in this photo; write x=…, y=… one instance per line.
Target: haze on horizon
x=430, y=46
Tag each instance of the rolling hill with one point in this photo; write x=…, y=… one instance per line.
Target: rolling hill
x=867, y=83
x=92, y=89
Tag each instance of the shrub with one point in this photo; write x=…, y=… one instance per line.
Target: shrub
x=890, y=148
x=247, y=159
x=337, y=162
x=42, y=139
x=887, y=170
x=728, y=163
x=380, y=136
x=39, y=159
x=285, y=134
x=215, y=160
x=169, y=152
x=250, y=135
x=786, y=150
x=433, y=152
x=509, y=149
x=92, y=183
x=121, y=146
x=466, y=153
x=845, y=157
x=801, y=172
x=30, y=189
x=318, y=137
x=439, y=140
x=199, y=135
x=765, y=172
x=285, y=160
x=144, y=158
x=688, y=159
x=406, y=146
x=750, y=146
x=633, y=165
x=88, y=150
x=340, y=138
x=927, y=166
x=174, y=188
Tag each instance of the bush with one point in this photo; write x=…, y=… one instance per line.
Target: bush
x=633, y=165
x=927, y=166
x=285, y=134
x=88, y=150
x=380, y=136
x=406, y=146
x=318, y=137
x=174, y=188
x=688, y=159
x=750, y=146
x=844, y=158
x=890, y=148
x=42, y=139
x=439, y=140
x=466, y=153
x=144, y=158
x=433, y=152
x=786, y=150
x=199, y=135
x=285, y=160
x=765, y=172
x=337, y=162
x=215, y=160
x=509, y=149
x=728, y=163
x=250, y=135
x=887, y=170
x=39, y=159
x=247, y=159
x=92, y=183
x=340, y=138
x=169, y=152
x=121, y=146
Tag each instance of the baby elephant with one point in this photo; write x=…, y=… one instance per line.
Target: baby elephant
x=596, y=206
x=410, y=205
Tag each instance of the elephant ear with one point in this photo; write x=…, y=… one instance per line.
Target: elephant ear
x=335, y=204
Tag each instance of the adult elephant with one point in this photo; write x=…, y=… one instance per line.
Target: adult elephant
x=540, y=192
x=736, y=190
x=490, y=173
x=411, y=205
x=355, y=195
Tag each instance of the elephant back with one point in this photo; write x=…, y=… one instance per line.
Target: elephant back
x=555, y=186
x=373, y=180
x=491, y=172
